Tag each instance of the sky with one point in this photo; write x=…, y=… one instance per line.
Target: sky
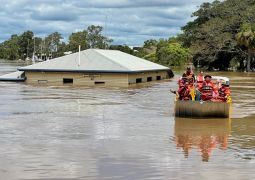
x=129, y=22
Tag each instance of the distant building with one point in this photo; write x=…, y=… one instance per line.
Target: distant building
x=95, y=67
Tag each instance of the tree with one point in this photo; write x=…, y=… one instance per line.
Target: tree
x=123, y=48
x=150, y=43
x=10, y=49
x=172, y=54
x=76, y=39
x=52, y=42
x=151, y=57
x=62, y=48
x=246, y=38
x=26, y=44
x=211, y=35
x=96, y=39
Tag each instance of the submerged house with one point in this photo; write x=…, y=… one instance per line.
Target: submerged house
x=95, y=67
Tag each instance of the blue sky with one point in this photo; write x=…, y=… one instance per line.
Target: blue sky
x=128, y=22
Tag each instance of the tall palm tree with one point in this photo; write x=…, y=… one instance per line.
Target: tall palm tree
x=246, y=37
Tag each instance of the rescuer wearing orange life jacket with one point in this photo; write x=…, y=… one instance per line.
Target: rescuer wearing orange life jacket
x=224, y=92
x=184, y=92
x=208, y=89
x=200, y=80
x=181, y=83
x=189, y=75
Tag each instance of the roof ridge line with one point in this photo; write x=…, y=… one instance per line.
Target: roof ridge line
x=112, y=60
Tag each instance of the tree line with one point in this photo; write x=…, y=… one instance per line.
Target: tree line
x=168, y=52
x=220, y=36
x=23, y=46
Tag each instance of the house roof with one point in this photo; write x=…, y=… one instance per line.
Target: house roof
x=96, y=60
x=15, y=76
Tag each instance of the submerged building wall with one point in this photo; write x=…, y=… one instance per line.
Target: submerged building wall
x=92, y=79
x=78, y=79
x=147, y=77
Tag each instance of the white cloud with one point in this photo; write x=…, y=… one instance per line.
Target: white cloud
x=127, y=21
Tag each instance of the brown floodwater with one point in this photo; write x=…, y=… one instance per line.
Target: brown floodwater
x=115, y=133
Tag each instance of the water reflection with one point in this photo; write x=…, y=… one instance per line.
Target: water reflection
x=205, y=135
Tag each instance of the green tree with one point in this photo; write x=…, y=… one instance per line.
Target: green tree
x=123, y=48
x=26, y=44
x=211, y=35
x=1, y=51
x=172, y=54
x=150, y=43
x=52, y=42
x=10, y=48
x=96, y=39
x=63, y=47
x=151, y=57
x=246, y=38
x=76, y=39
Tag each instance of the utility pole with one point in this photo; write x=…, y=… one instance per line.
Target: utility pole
x=41, y=50
x=105, y=26
x=27, y=47
x=79, y=60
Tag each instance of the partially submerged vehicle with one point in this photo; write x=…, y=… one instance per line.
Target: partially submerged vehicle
x=192, y=108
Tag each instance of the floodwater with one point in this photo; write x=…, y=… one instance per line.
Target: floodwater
x=99, y=133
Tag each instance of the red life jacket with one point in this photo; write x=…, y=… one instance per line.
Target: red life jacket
x=181, y=83
x=200, y=80
x=184, y=93
x=207, y=91
x=223, y=92
x=189, y=77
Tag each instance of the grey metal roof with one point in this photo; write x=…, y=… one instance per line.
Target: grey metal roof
x=96, y=60
x=15, y=76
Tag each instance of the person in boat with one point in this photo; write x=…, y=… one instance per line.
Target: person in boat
x=181, y=83
x=200, y=80
x=208, y=89
x=199, y=84
x=189, y=75
x=184, y=92
x=223, y=92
